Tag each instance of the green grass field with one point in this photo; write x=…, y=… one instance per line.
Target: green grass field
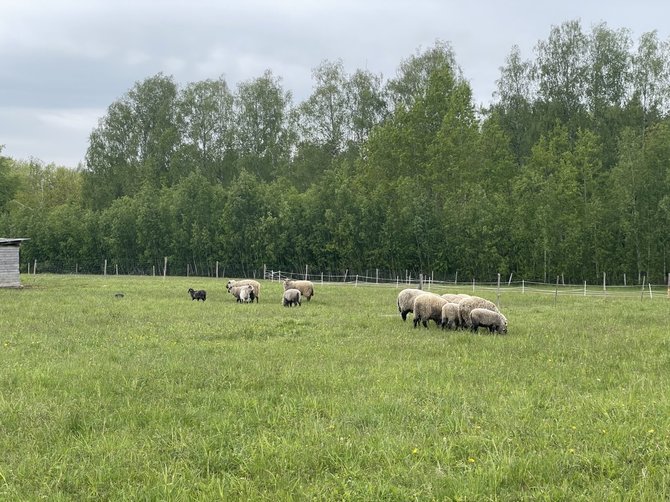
x=157, y=397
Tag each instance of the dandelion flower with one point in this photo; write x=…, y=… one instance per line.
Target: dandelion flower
x=471, y=460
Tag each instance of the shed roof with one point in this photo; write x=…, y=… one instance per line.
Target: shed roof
x=12, y=242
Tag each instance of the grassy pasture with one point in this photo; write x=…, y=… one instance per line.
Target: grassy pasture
x=157, y=397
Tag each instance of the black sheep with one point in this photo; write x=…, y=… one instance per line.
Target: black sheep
x=201, y=294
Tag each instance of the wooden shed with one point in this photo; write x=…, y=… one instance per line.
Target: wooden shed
x=9, y=262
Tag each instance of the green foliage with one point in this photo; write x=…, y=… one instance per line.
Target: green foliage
x=565, y=174
x=8, y=181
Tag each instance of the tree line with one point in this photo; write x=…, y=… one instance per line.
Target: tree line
x=565, y=173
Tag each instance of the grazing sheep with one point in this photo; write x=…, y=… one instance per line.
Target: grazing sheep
x=450, y=317
x=466, y=306
x=306, y=288
x=256, y=285
x=291, y=297
x=242, y=293
x=246, y=293
x=406, y=301
x=494, y=321
x=201, y=294
x=454, y=298
x=426, y=307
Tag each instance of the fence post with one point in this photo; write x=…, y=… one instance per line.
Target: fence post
x=584, y=288
x=164, y=267
x=523, y=286
x=217, y=269
x=510, y=279
x=356, y=284
x=420, y=281
x=35, y=267
x=116, y=268
x=321, y=277
x=556, y=292
x=456, y=279
x=104, y=270
x=605, y=282
x=377, y=276
x=306, y=271
x=498, y=292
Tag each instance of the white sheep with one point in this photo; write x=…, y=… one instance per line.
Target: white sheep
x=454, y=297
x=242, y=293
x=291, y=297
x=494, y=321
x=255, y=284
x=306, y=288
x=246, y=293
x=426, y=307
x=466, y=306
x=450, y=317
x=406, y=301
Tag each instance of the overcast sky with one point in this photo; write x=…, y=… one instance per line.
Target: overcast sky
x=63, y=62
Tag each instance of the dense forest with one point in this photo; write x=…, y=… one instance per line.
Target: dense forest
x=565, y=174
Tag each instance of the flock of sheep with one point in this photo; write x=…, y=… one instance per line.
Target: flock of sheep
x=248, y=290
x=451, y=311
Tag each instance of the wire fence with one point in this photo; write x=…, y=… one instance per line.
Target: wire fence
x=645, y=290
x=376, y=277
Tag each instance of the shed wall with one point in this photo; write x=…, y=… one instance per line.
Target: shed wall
x=9, y=266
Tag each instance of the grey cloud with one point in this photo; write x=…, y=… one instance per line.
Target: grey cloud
x=84, y=55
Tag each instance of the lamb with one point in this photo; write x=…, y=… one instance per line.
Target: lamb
x=306, y=288
x=494, y=321
x=201, y=294
x=256, y=285
x=406, y=301
x=450, y=317
x=247, y=293
x=243, y=293
x=426, y=307
x=466, y=306
x=291, y=297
